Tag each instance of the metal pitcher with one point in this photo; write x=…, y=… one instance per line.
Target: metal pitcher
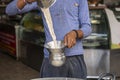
x=56, y=57
x=45, y=3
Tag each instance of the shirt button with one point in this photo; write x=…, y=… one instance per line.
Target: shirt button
x=76, y=4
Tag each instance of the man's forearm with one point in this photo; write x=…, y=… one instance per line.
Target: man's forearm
x=80, y=34
x=19, y=7
x=11, y=8
x=14, y=7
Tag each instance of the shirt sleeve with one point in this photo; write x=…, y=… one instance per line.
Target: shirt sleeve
x=84, y=18
x=12, y=8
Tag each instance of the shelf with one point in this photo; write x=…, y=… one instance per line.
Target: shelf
x=3, y=5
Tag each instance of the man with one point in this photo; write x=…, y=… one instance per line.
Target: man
x=71, y=24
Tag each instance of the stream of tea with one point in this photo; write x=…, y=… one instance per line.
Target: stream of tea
x=47, y=15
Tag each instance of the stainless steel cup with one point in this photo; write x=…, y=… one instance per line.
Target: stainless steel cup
x=45, y=3
x=56, y=57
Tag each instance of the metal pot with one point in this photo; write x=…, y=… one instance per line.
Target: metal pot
x=57, y=78
x=45, y=3
x=56, y=56
x=103, y=76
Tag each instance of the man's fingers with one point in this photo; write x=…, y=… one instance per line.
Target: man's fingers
x=65, y=41
x=69, y=42
x=70, y=39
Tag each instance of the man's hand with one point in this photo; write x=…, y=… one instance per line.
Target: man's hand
x=22, y=3
x=70, y=39
x=29, y=1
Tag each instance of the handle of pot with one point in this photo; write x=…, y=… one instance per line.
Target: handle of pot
x=112, y=76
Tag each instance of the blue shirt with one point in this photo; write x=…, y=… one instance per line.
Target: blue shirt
x=66, y=15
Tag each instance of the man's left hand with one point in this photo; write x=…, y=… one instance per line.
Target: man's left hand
x=70, y=39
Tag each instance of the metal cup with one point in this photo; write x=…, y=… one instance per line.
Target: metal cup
x=45, y=3
x=56, y=56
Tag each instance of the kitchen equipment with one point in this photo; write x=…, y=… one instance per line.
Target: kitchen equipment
x=102, y=76
x=56, y=56
x=107, y=76
x=57, y=78
x=45, y=3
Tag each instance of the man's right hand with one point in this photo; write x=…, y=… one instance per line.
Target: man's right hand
x=29, y=1
x=22, y=3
